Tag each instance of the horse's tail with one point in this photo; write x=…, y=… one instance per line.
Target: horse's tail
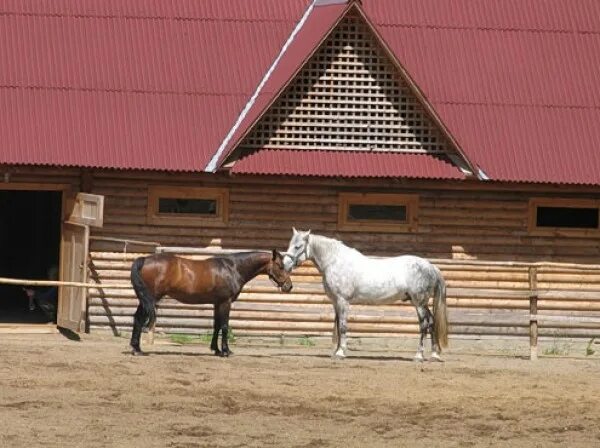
x=440, y=314
x=141, y=291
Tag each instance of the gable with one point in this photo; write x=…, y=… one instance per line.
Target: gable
x=349, y=96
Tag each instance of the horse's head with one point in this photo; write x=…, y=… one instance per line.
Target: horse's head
x=278, y=273
x=297, y=250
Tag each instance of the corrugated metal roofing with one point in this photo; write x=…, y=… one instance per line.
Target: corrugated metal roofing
x=346, y=164
x=157, y=85
x=131, y=84
x=319, y=23
x=515, y=81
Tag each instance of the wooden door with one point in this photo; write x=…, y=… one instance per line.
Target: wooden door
x=87, y=210
x=73, y=268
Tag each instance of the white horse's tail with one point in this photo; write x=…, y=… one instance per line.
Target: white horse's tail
x=440, y=315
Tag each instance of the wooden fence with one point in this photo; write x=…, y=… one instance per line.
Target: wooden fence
x=484, y=299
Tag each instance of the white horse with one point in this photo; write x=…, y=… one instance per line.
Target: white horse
x=351, y=277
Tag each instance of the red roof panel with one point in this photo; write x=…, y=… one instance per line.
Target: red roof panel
x=155, y=84
x=318, y=23
x=515, y=81
x=346, y=164
x=131, y=84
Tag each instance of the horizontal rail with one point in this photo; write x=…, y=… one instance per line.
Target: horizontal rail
x=25, y=282
x=125, y=241
x=201, y=250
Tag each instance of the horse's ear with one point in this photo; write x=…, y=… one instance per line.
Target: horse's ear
x=295, y=231
x=274, y=254
x=306, y=234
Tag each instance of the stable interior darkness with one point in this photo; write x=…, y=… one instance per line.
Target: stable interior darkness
x=29, y=246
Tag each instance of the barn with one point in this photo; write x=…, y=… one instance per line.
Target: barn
x=465, y=133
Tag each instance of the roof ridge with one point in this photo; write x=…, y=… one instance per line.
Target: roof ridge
x=149, y=17
x=106, y=90
x=524, y=105
x=485, y=28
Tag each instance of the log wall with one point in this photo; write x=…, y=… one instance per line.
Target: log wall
x=477, y=234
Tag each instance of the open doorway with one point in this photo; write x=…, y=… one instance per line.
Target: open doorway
x=30, y=231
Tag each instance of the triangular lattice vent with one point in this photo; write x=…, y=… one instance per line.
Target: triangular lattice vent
x=349, y=96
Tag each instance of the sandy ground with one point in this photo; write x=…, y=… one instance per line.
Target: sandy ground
x=92, y=393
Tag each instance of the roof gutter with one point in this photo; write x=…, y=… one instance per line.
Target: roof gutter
x=212, y=165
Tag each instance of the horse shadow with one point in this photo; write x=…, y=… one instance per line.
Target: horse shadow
x=278, y=355
x=170, y=353
x=351, y=357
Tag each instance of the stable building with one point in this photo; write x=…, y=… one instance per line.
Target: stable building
x=467, y=134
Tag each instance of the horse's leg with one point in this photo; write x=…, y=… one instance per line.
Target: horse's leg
x=342, y=308
x=225, y=308
x=435, y=349
x=217, y=323
x=139, y=319
x=423, y=326
x=335, y=337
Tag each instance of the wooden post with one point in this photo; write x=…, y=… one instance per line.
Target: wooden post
x=533, y=322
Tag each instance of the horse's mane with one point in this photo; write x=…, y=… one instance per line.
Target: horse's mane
x=334, y=241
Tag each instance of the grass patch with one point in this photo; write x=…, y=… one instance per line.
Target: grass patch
x=589, y=351
x=205, y=338
x=554, y=350
x=306, y=341
x=180, y=338
x=558, y=349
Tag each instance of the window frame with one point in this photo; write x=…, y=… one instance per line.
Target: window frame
x=536, y=230
x=410, y=201
x=220, y=195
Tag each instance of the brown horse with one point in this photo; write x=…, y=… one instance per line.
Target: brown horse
x=217, y=280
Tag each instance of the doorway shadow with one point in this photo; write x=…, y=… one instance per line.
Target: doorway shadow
x=70, y=335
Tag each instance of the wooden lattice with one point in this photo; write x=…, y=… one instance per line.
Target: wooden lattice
x=349, y=96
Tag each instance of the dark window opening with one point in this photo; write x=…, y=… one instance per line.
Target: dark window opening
x=188, y=206
x=375, y=212
x=567, y=217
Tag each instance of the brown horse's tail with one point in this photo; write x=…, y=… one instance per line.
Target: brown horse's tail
x=440, y=314
x=142, y=293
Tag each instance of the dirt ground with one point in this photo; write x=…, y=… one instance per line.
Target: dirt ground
x=57, y=392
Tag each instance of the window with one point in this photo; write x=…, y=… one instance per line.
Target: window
x=564, y=216
x=193, y=206
x=377, y=212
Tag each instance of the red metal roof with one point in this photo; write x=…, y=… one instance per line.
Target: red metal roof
x=346, y=164
x=158, y=85
x=319, y=23
x=132, y=83
x=515, y=81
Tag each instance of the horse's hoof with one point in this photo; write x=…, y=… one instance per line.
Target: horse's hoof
x=137, y=352
x=218, y=353
x=338, y=355
x=418, y=358
x=436, y=358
